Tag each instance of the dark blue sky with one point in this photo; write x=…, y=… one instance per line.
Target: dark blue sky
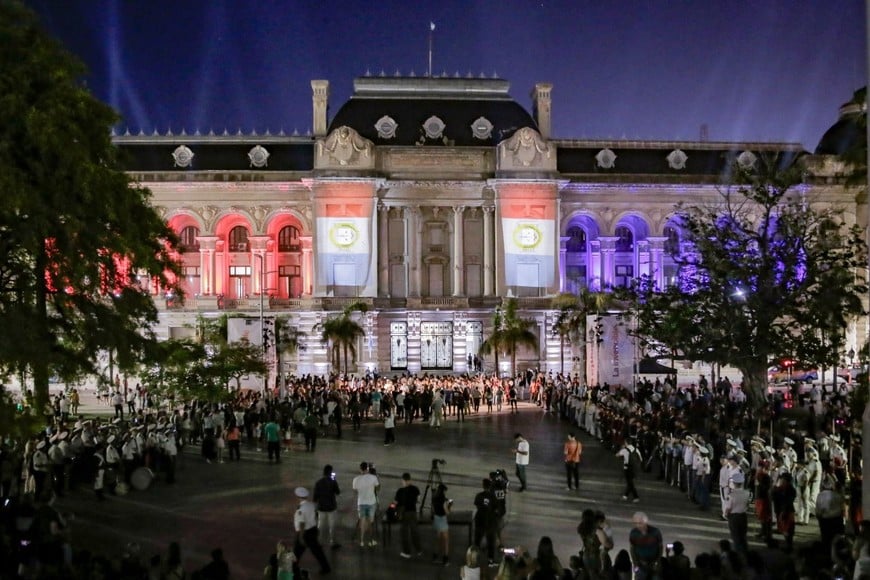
x=766, y=70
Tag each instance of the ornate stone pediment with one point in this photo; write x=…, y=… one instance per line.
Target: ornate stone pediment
x=344, y=148
x=526, y=150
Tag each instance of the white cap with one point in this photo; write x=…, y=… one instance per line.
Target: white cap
x=301, y=492
x=788, y=441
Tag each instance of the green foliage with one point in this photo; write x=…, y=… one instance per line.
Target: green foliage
x=74, y=230
x=342, y=332
x=17, y=420
x=183, y=370
x=768, y=277
x=510, y=332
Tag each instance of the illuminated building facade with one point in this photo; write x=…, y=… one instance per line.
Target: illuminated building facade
x=431, y=200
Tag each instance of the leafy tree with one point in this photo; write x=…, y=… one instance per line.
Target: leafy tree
x=510, y=333
x=18, y=421
x=574, y=309
x=342, y=332
x=288, y=340
x=74, y=230
x=768, y=276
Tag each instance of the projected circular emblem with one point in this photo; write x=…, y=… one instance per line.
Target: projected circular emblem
x=527, y=236
x=343, y=235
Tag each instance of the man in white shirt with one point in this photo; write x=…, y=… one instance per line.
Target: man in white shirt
x=305, y=524
x=522, y=459
x=366, y=485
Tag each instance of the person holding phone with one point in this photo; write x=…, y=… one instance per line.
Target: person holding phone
x=441, y=506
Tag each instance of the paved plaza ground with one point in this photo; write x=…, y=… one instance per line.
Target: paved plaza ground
x=246, y=507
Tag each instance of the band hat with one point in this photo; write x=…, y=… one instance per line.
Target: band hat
x=301, y=492
x=731, y=443
x=111, y=439
x=809, y=441
x=788, y=441
x=741, y=452
x=40, y=445
x=835, y=438
x=53, y=438
x=704, y=451
x=62, y=435
x=770, y=449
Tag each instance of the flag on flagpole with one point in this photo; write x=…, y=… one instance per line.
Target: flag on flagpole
x=431, y=25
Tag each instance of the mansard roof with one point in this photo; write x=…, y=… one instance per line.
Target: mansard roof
x=410, y=102
x=216, y=153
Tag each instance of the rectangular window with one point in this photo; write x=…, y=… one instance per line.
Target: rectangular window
x=240, y=270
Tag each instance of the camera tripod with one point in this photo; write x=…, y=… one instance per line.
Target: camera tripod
x=433, y=480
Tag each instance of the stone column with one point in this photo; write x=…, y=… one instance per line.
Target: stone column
x=608, y=255
x=563, y=262
x=414, y=238
x=595, y=276
x=383, y=241
x=656, y=258
x=307, y=266
x=207, y=245
x=458, y=251
x=259, y=283
x=488, y=270
x=644, y=267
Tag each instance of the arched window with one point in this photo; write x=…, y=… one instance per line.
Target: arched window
x=625, y=241
x=576, y=239
x=238, y=239
x=672, y=243
x=288, y=239
x=188, y=240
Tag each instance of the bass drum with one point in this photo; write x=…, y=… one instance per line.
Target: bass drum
x=141, y=478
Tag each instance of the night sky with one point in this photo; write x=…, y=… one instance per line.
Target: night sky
x=764, y=70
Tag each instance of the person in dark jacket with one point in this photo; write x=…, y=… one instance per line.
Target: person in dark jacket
x=326, y=492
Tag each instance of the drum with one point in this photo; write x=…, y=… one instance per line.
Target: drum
x=141, y=478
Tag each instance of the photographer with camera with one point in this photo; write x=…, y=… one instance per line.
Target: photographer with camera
x=406, y=503
x=441, y=506
x=485, y=519
x=500, y=484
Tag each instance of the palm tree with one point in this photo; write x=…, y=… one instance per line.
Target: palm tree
x=288, y=340
x=574, y=309
x=510, y=332
x=342, y=332
x=492, y=345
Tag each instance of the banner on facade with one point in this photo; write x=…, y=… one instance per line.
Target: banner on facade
x=529, y=251
x=344, y=253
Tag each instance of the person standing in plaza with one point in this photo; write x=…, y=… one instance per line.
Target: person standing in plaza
x=629, y=457
x=366, y=485
x=646, y=549
x=406, y=503
x=485, y=518
x=440, y=508
x=305, y=524
x=783, y=496
x=736, y=506
x=572, y=451
x=522, y=459
x=389, y=427
x=273, y=439
x=326, y=492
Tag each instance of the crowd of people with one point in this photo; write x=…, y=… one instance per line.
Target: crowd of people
x=703, y=440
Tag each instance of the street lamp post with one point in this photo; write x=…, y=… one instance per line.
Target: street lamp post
x=262, y=259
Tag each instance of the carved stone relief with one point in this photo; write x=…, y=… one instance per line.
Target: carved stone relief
x=344, y=147
x=182, y=156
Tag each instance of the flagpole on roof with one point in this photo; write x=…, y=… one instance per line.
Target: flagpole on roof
x=431, y=31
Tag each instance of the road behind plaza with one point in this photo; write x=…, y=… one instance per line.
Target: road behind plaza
x=246, y=507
